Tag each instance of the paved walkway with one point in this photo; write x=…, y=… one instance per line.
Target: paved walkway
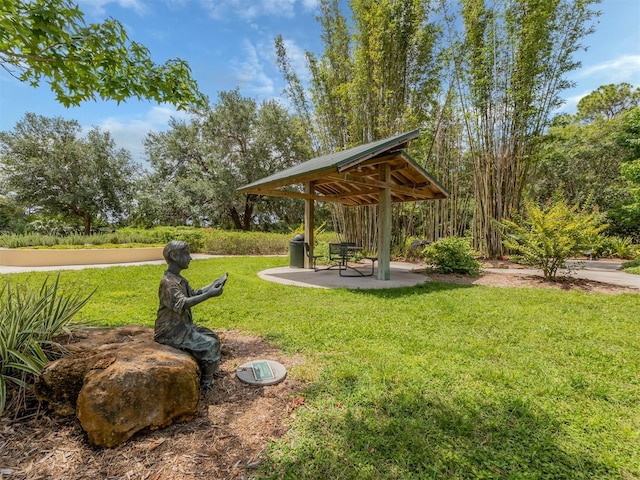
x=402, y=274
x=613, y=277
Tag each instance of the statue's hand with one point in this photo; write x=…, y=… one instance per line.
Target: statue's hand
x=221, y=281
x=216, y=291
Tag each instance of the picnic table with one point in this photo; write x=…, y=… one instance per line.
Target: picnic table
x=344, y=255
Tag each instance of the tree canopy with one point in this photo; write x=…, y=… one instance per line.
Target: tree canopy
x=198, y=165
x=589, y=158
x=45, y=165
x=49, y=39
x=608, y=101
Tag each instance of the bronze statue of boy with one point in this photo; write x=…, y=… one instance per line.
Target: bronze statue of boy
x=174, y=323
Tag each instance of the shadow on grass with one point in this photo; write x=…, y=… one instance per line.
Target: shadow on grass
x=427, y=287
x=415, y=436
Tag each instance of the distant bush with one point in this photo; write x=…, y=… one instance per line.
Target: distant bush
x=223, y=242
x=452, y=255
x=200, y=240
x=116, y=238
x=203, y=240
x=632, y=266
x=621, y=247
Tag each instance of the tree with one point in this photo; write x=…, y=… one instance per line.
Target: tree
x=515, y=55
x=235, y=142
x=582, y=160
x=548, y=236
x=44, y=164
x=628, y=213
x=170, y=194
x=587, y=157
x=608, y=101
x=376, y=77
x=49, y=39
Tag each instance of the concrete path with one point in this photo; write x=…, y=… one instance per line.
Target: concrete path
x=402, y=275
x=613, y=277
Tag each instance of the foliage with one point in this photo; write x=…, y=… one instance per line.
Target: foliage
x=632, y=266
x=509, y=378
x=621, y=247
x=628, y=213
x=514, y=61
x=201, y=240
x=452, y=255
x=582, y=161
x=588, y=157
x=12, y=216
x=49, y=39
x=86, y=178
x=246, y=243
x=198, y=166
x=376, y=77
x=547, y=236
x=31, y=318
x=608, y=101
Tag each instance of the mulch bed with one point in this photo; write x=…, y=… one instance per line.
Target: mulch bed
x=233, y=428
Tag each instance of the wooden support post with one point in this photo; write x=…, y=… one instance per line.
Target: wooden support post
x=309, y=220
x=384, y=224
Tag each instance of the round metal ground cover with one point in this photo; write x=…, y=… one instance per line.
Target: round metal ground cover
x=261, y=372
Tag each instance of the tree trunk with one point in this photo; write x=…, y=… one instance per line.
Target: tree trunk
x=87, y=223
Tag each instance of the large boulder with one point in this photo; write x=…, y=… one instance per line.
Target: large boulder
x=119, y=381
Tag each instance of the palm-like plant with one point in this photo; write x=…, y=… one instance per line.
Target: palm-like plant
x=31, y=318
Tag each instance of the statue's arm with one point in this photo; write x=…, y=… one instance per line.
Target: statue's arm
x=201, y=297
x=173, y=296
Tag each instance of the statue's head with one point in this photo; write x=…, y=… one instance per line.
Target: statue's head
x=173, y=249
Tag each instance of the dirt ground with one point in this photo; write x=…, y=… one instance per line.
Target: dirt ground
x=227, y=440
x=517, y=280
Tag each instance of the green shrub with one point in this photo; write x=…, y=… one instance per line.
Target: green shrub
x=621, y=247
x=200, y=240
x=632, y=266
x=31, y=318
x=547, y=236
x=452, y=255
x=223, y=242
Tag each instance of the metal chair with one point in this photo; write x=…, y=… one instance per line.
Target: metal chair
x=312, y=258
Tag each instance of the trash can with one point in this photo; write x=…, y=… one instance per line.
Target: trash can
x=296, y=251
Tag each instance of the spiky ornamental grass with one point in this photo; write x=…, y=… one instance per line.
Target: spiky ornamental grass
x=31, y=319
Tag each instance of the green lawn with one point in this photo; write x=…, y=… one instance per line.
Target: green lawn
x=435, y=381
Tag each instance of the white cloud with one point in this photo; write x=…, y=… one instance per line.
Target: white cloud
x=97, y=7
x=571, y=103
x=309, y=4
x=245, y=10
x=622, y=69
x=130, y=132
x=298, y=59
x=251, y=70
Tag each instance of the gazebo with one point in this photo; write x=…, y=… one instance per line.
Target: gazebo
x=378, y=173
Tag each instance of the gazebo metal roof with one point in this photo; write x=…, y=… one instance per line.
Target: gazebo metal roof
x=351, y=177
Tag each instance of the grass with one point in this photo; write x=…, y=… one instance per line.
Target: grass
x=632, y=266
x=434, y=381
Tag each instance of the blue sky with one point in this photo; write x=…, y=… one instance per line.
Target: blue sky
x=229, y=44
